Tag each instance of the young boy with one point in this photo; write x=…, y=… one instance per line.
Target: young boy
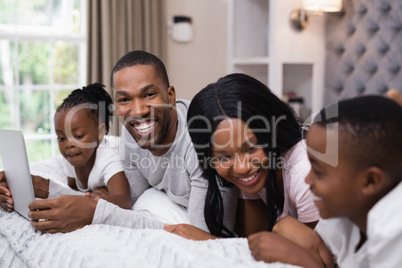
x=356, y=173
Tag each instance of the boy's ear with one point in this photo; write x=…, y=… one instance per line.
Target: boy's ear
x=102, y=131
x=374, y=181
x=171, y=95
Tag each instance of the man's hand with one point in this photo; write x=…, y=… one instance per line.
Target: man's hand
x=189, y=231
x=6, y=201
x=63, y=214
x=270, y=247
x=305, y=237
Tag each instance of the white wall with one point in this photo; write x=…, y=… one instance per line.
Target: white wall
x=291, y=46
x=191, y=66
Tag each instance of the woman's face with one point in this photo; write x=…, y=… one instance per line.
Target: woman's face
x=237, y=157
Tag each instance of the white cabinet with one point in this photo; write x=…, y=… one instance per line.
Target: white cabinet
x=261, y=43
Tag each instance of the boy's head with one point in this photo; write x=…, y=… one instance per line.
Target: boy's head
x=366, y=139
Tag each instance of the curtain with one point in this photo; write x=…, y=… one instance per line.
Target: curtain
x=117, y=27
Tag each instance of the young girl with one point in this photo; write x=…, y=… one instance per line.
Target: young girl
x=89, y=162
x=81, y=122
x=250, y=141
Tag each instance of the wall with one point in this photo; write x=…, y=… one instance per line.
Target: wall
x=364, y=49
x=306, y=47
x=191, y=66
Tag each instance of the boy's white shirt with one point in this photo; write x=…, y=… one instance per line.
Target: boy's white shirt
x=341, y=237
x=384, y=230
x=383, y=247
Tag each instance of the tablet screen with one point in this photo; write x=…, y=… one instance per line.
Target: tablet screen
x=16, y=169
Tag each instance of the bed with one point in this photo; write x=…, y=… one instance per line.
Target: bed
x=100, y=245
x=110, y=246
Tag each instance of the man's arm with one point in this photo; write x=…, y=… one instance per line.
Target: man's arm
x=68, y=213
x=57, y=189
x=197, y=200
x=49, y=178
x=110, y=214
x=199, y=188
x=46, y=188
x=130, y=159
x=63, y=214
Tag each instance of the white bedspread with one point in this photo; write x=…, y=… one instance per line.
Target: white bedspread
x=111, y=246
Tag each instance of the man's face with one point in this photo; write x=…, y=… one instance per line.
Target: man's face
x=144, y=104
x=337, y=190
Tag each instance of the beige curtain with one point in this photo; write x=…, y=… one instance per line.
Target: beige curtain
x=116, y=27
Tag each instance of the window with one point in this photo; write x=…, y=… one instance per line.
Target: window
x=42, y=59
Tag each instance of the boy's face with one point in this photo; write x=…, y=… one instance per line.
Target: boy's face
x=144, y=104
x=337, y=190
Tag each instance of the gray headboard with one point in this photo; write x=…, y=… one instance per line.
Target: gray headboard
x=364, y=49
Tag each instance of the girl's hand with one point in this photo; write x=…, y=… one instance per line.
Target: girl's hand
x=189, y=231
x=6, y=201
x=270, y=247
x=97, y=193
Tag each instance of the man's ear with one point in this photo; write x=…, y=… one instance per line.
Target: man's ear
x=374, y=181
x=171, y=95
x=102, y=131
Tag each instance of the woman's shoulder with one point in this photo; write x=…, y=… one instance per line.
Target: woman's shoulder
x=295, y=160
x=295, y=169
x=299, y=150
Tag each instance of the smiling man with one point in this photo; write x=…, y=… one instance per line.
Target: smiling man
x=159, y=159
x=157, y=154
x=146, y=104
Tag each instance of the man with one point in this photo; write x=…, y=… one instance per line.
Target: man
x=157, y=154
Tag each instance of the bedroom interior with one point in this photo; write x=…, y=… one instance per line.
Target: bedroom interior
x=339, y=55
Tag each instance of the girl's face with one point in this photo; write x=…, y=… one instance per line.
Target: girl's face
x=237, y=157
x=78, y=135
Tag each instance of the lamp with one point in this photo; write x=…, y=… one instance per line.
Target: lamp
x=299, y=17
x=182, y=29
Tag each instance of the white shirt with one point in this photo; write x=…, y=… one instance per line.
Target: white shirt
x=384, y=231
x=106, y=165
x=383, y=247
x=341, y=237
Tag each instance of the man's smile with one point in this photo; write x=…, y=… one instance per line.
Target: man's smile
x=144, y=128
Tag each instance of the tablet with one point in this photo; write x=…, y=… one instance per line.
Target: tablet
x=16, y=169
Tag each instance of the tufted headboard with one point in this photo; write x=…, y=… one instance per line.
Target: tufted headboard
x=364, y=49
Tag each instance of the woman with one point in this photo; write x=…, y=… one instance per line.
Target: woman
x=248, y=140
